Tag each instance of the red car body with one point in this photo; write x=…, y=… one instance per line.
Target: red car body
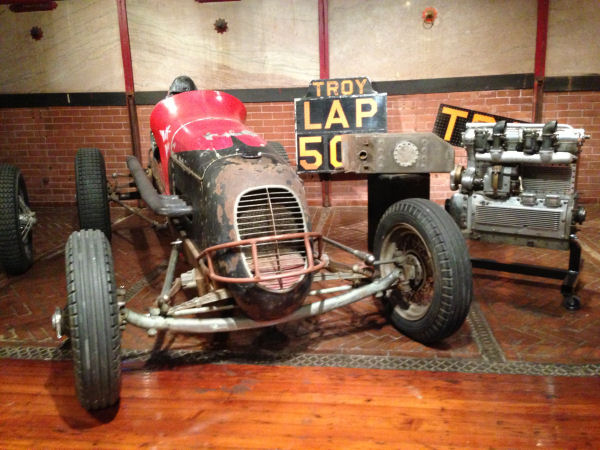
x=199, y=120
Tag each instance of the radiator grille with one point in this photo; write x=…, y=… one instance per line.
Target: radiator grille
x=548, y=179
x=271, y=211
x=520, y=218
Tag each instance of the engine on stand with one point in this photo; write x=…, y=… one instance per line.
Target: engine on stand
x=519, y=188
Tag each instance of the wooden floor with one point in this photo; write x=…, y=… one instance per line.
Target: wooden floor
x=252, y=406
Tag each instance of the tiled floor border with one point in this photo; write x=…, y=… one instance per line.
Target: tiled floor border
x=145, y=360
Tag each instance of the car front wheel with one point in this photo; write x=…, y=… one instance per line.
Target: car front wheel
x=433, y=299
x=93, y=319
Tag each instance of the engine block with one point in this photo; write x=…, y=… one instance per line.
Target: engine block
x=519, y=184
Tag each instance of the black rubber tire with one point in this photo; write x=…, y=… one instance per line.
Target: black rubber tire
x=16, y=249
x=422, y=230
x=279, y=150
x=93, y=318
x=92, y=191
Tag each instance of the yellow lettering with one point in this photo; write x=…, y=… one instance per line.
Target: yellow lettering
x=347, y=87
x=307, y=124
x=453, y=113
x=318, y=85
x=304, y=152
x=336, y=115
x=483, y=118
x=361, y=86
x=332, y=88
x=333, y=159
x=360, y=114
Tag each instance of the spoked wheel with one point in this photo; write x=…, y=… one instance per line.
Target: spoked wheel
x=433, y=300
x=92, y=192
x=16, y=222
x=93, y=319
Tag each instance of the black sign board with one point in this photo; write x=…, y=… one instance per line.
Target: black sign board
x=451, y=122
x=332, y=108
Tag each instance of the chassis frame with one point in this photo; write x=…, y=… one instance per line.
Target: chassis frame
x=212, y=291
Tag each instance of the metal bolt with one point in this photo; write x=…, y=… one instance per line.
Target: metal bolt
x=57, y=322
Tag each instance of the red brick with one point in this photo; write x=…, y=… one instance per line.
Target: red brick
x=496, y=101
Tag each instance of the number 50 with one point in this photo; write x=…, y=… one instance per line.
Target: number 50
x=304, y=152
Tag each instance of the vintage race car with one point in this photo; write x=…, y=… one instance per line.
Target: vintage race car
x=239, y=215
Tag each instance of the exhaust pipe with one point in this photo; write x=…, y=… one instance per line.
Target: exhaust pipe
x=164, y=205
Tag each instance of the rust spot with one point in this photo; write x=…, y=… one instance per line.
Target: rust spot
x=218, y=188
x=220, y=214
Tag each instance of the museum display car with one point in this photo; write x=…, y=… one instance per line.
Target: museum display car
x=238, y=213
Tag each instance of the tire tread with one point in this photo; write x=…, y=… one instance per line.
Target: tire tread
x=449, y=249
x=93, y=319
x=92, y=193
x=14, y=256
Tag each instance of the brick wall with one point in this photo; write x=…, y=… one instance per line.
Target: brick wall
x=43, y=141
x=581, y=110
x=417, y=112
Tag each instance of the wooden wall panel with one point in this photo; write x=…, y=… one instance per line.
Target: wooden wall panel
x=573, y=38
x=269, y=43
x=274, y=43
x=386, y=40
x=79, y=52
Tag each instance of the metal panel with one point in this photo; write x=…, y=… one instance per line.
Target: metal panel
x=396, y=153
x=551, y=179
x=518, y=218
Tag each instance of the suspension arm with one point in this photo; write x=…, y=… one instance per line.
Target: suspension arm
x=224, y=324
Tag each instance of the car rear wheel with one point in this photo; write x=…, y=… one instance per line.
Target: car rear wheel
x=93, y=319
x=92, y=192
x=16, y=222
x=434, y=300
